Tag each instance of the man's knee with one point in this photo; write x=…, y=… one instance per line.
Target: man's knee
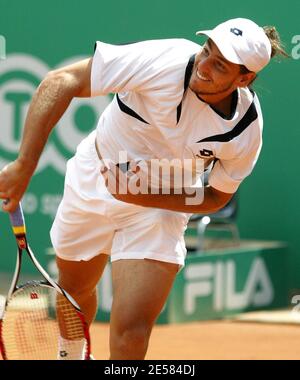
x=77, y=289
x=131, y=341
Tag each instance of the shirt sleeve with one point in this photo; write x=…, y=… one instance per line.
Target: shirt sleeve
x=141, y=66
x=227, y=175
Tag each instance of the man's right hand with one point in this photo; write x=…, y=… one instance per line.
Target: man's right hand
x=14, y=179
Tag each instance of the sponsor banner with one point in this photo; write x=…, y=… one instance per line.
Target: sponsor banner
x=214, y=286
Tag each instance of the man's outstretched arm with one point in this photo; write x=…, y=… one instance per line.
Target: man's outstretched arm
x=213, y=200
x=189, y=200
x=48, y=104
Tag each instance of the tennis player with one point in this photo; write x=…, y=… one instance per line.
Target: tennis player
x=174, y=99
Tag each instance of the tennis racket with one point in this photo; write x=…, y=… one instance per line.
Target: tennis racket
x=40, y=320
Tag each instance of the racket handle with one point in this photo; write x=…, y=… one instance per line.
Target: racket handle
x=17, y=221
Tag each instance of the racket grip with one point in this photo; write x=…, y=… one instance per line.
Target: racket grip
x=17, y=221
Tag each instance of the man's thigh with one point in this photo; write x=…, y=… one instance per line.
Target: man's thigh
x=81, y=276
x=140, y=290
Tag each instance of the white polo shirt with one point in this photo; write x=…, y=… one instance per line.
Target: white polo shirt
x=154, y=114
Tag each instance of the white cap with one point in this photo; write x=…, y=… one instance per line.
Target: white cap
x=243, y=42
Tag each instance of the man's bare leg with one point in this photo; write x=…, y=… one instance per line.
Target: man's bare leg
x=79, y=279
x=140, y=290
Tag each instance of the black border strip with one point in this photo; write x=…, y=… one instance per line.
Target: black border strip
x=250, y=116
x=187, y=77
x=129, y=111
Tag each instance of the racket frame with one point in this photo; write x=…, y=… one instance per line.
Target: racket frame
x=23, y=245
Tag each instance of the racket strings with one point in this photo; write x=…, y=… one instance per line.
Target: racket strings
x=69, y=323
x=36, y=320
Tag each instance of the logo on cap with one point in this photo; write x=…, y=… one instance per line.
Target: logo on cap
x=236, y=31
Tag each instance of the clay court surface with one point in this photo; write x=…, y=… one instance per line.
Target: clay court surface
x=213, y=340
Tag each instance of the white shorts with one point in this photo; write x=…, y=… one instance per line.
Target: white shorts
x=89, y=221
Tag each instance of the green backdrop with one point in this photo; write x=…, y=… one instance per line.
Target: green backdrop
x=41, y=35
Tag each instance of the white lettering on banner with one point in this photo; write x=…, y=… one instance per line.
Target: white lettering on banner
x=2, y=48
x=105, y=289
x=296, y=301
x=46, y=205
x=50, y=203
x=258, y=275
x=52, y=268
x=21, y=75
x=30, y=203
x=219, y=281
x=219, y=286
x=195, y=289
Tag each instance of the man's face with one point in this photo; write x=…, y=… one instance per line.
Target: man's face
x=212, y=74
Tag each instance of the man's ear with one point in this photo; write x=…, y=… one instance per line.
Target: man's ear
x=246, y=79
